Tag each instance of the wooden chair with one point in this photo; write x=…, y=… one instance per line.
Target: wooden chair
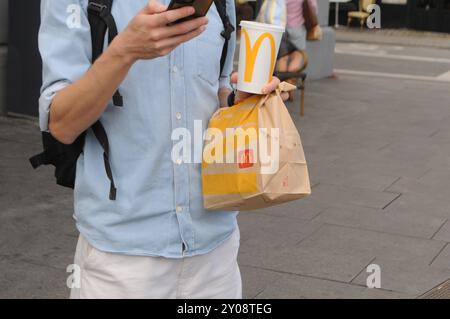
x=362, y=14
x=301, y=85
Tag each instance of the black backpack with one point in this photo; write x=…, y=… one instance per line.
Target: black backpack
x=64, y=157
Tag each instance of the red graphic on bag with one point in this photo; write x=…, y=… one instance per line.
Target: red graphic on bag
x=246, y=159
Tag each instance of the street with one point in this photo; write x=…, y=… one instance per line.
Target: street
x=393, y=61
x=377, y=142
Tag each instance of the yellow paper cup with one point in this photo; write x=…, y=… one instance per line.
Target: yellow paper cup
x=260, y=43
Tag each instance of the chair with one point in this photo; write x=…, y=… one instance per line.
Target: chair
x=362, y=14
x=300, y=78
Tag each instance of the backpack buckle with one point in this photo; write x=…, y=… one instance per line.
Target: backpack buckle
x=96, y=8
x=229, y=29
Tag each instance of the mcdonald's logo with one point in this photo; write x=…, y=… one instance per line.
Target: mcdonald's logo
x=246, y=159
x=252, y=54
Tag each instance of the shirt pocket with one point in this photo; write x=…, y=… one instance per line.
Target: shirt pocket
x=208, y=55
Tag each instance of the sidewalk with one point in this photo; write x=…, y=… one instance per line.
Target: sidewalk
x=404, y=37
x=379, y=158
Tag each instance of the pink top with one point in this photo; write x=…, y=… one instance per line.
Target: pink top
x=295, y=12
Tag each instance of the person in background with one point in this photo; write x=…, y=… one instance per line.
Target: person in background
x=292, y=56
x=244, y=11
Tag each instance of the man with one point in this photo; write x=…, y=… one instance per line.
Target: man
x=155, y=240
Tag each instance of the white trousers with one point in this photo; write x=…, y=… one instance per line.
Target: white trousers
x=105, y=275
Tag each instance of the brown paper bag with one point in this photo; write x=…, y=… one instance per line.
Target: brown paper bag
x=253, y=157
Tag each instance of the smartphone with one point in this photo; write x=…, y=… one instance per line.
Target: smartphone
x=201, y=7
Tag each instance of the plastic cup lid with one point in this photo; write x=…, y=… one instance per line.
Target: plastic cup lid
x=262, y=26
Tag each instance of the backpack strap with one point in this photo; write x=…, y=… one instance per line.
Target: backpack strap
x=51, y=151
x=102, y=137
x=221, y=6
x=101, y=20
x=65, y=157
x=62, y=157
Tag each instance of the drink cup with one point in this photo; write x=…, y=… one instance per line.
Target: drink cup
x=260, y=43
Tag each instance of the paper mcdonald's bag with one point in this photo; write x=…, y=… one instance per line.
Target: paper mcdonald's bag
x=253, y=156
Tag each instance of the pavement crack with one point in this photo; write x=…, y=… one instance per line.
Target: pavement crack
x=374, y=231
x=383, y=147
x=316, y=278
x=362, y=270
x=310, y=235
x=440, y=252
x=315, y=185
x=390, y=185
x=434, y=133
x=296, y=274
x=440, y=227
x=388, y=204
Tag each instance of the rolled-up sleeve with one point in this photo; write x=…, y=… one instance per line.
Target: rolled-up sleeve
x=224, y=81
x=65, y=48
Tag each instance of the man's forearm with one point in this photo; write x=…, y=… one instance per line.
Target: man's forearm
x=150, y=34
x=81, y=104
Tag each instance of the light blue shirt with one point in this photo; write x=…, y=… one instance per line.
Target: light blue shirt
x=159, y=207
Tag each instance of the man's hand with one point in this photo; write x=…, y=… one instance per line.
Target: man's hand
x=149, y=35
x=269, y=88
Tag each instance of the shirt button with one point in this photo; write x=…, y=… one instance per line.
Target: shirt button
x=175, y=69
x=179, y=209
x=178, y=116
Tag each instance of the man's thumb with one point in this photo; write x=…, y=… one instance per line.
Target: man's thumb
x=154, y=7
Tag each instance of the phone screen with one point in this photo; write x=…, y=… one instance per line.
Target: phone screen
x=201, y=7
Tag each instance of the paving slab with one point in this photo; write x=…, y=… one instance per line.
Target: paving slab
x=299, y=287
x=420, y=186
x=378, y=220
x=340, y=253
x=255, y=280
x=441, y=135
x=260, y=232
x=332, y=194
x=324, y=264
x=353, y=242
x=420, y=204
x=346, y=176
x=443, y=259
x=440, y=160
x=413, y=278
x=444, y=233
x=374, y=163
x=305, y=209
x=20, y=280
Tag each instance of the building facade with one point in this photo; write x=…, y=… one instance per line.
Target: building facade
x=3, y=53
x=425, y=15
